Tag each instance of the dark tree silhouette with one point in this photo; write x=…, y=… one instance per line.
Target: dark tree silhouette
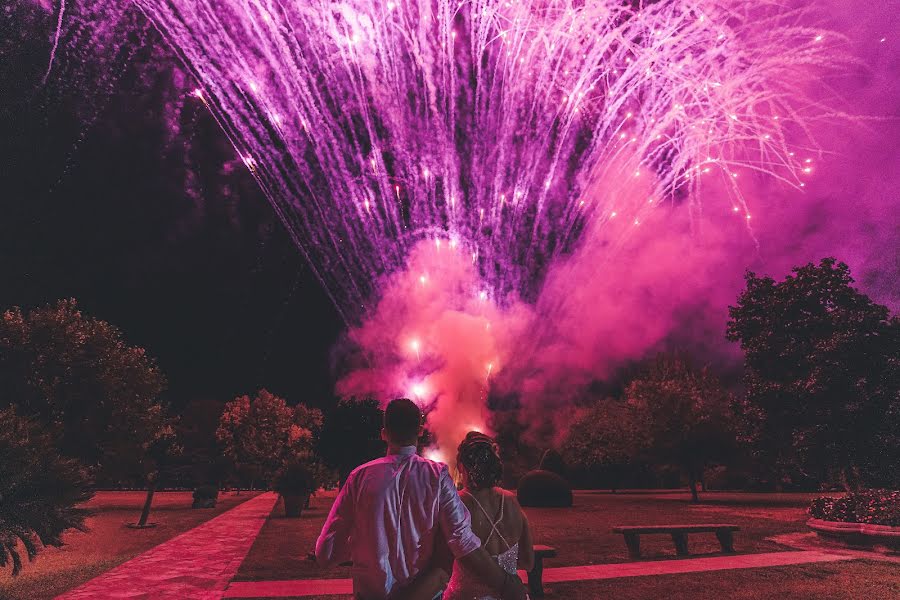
x=822, y=371
x=351, y=435
x=259, y=434
x=684, y=415
x=602, y=441
x=96, y=394
x=77, y=375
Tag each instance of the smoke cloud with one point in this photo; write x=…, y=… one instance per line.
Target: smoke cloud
x=440, y=337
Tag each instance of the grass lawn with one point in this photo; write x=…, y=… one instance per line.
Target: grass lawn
x=108, y=542
x=582, y=536
x=845, y=580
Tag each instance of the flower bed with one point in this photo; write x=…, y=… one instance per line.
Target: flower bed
x=867, y=518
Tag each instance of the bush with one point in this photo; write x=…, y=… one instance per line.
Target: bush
x=552, y=461
x=295, y=479
x=295, y=482
x=205, y=496
x=875, y=507
x=544, y=489
x=39, y=490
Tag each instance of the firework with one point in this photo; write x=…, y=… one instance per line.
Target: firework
x=500, y=127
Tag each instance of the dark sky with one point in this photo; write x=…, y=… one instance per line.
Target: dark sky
x=163, y=237
x=118, y=189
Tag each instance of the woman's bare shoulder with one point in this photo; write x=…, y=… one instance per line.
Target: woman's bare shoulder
x=509, y=494
x=511, y=500
x=466, y=498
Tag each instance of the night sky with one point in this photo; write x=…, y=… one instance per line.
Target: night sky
x=119, y=189
x=94, y=207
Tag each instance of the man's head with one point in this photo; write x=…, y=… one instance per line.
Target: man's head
x=402, y=423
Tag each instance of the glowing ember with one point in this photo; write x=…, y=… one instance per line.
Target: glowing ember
x=434, y=454
x=419, y=390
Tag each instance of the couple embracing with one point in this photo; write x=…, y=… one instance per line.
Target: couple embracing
x=402, y=522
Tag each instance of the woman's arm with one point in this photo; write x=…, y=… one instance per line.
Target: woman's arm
x=526, y=545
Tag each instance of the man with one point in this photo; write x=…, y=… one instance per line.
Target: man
x=390, y=511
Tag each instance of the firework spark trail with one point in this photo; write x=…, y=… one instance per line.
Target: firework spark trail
x=504, y=127
x=56, y=36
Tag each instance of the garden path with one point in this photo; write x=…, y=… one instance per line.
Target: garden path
x=196, y=564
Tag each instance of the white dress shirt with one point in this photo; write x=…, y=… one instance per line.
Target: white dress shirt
x=385, y=520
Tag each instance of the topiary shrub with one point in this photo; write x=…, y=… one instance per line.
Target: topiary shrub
x=296, y=483
x=875, y=507
x=205, y=496
x=544, y=489
x=39, y=490
x=553, y=461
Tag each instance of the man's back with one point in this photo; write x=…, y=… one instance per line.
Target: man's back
x=386, y=517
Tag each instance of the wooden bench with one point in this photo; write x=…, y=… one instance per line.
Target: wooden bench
x=535, y=575
x=679, y=533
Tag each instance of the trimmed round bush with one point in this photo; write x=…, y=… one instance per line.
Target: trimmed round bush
x=205, y=496
x=295, y=482
x=544, y=489
x=553, y=461
x=874, y=507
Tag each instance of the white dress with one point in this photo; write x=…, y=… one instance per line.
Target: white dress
x=463, y=584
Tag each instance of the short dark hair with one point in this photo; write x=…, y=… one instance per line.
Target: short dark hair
x=402, y=420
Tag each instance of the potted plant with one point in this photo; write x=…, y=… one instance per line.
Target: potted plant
x=295, y=483
x=205, y=496
x=865, y=518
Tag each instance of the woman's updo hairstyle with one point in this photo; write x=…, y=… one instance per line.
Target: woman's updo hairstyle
x=480, y=456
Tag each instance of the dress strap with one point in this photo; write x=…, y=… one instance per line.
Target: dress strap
x=492, y=521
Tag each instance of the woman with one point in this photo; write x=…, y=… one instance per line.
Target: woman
x=497, y=517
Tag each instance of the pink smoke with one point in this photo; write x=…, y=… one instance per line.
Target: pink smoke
x=629, y=289
x=439, y=338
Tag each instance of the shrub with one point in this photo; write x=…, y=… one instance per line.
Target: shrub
x=552, y=461
x=205, y=496
x=544, y=489
x=875, y=507
x=295, y=482
x=295, y=479
x=39, y=490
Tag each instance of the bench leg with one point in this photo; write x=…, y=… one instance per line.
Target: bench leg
x=633, y=541
x=681, y=545
x=535, y=585
x=727, y=540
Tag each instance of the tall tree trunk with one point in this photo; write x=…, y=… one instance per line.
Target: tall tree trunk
x=692, y=480
x=148, y=501
x=850, y=478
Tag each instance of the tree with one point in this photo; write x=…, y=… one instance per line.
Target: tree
x=685, y=414
x=310, y=419
x=96, y=394
x=40, y=491
x=158, y=455
x=204, y=463
x=603, y=440
x=822, y=370
x=351, y=435
x=258, y=435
